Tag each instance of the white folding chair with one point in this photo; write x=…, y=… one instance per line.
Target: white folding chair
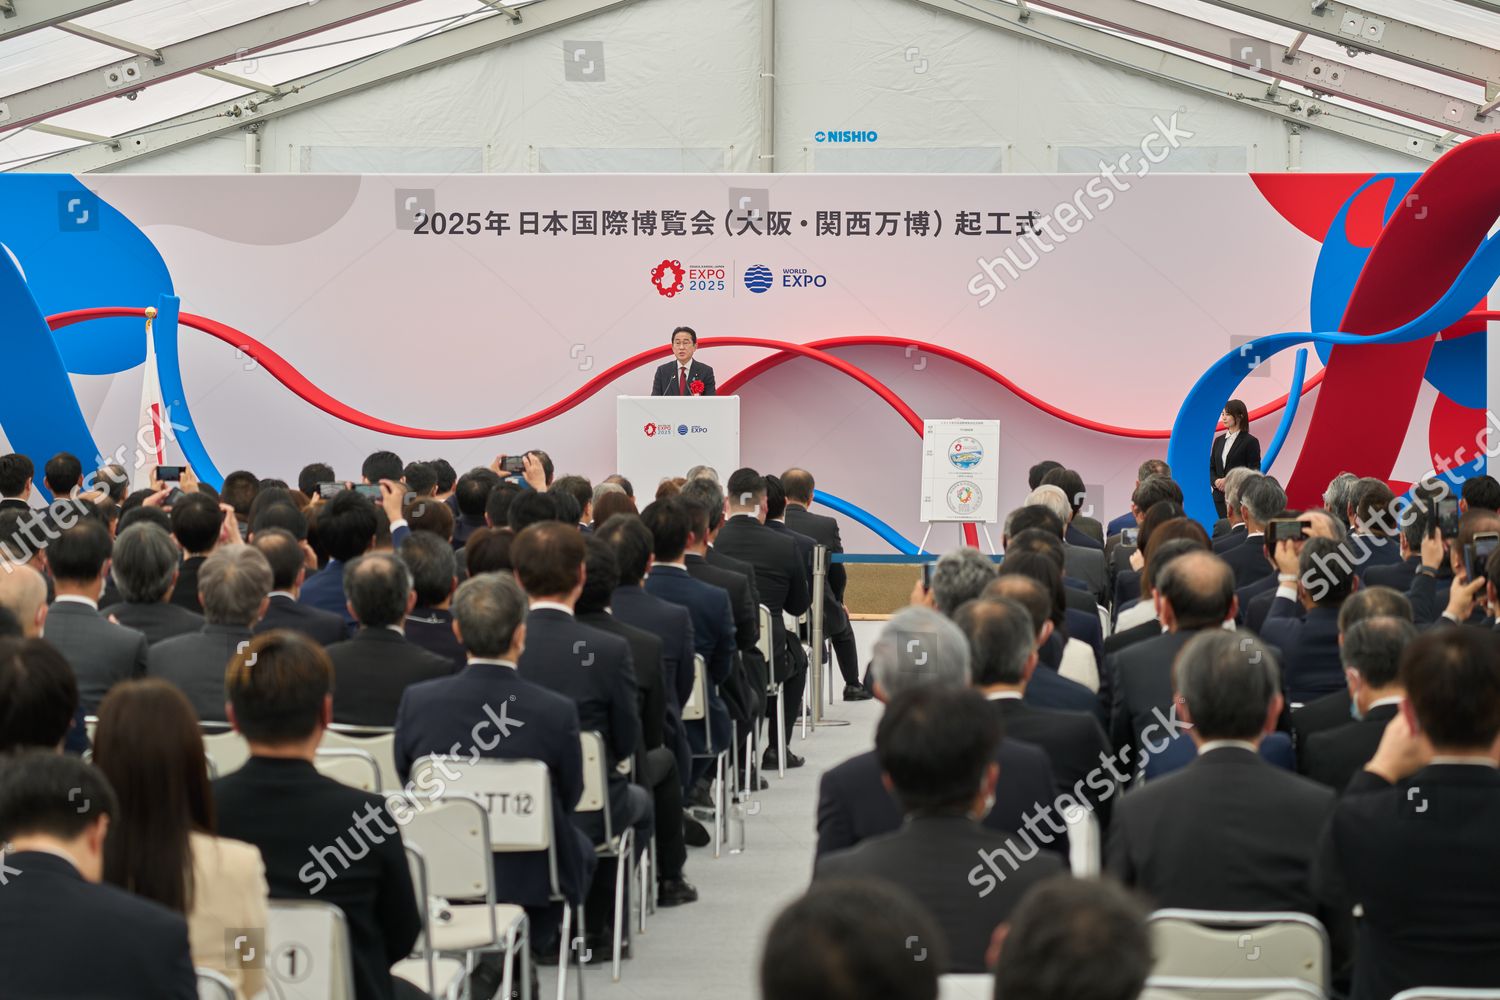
x=517, y=796
x=696, y=710
x=378, y=743
x=1222, y=945
x=767, y=649
x=227, y=752
x=794, y=625
x=1085, y=843
x=307, y=951
x=448, y=843
x=966, y=986
x=213, y=986
x=90, y=724
x=1447, y=993
x=1190, y=988
x=619, y=845
x=354, y=768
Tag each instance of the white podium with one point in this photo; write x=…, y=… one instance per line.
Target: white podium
x=663, y=436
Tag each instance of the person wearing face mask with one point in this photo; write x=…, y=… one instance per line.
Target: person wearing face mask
x=683, y=376
x=936, y=746
x=1371, y=651
x=1232, y=449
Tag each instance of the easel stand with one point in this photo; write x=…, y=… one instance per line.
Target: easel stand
x=982, y=526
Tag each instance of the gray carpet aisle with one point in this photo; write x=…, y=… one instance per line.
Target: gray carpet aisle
x=711, y=948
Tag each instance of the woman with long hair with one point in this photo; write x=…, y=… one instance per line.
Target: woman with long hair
x=162, y=844
x=1234, y=448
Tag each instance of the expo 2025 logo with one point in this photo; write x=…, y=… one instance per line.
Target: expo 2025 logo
x=758, y=278
x=651, y=430
x=666, y=278
x=964, y=497
x=965, y=453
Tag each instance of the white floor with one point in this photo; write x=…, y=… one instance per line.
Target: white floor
x=712, y=947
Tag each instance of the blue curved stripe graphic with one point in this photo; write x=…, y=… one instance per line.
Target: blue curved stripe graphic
x=1293, y=400
x=1193, y=430
x=184, y=431
x=897, y=540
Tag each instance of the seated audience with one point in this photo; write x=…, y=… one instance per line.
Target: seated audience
x=1371, y=652
x=800, y=489
x=1075, y=939
x=161, y=844
x=488, y=551
x=38, y=696
x=199, y=524
x=144, y=567
x=347, y=527
x=936, y=745
x=287, y=558
x=313, y=832
x=470, y=495
x=1442, y=554
x=1371, y=516
x=456, y=716
x=434, y=576
x=55, y=811
x=610, y=504
x=16, y=472
x=1229, y=831
x=373, y=667
x=1315, y=581
x=1411, y=843
x=1261, y=499
x=101, y=652
x=852, y=940
x=1081, y=529
x=233, y=586
x=1047, y=688
x=1231, y=531
x=1337, y=709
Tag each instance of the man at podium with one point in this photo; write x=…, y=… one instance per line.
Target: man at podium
x=684, y=376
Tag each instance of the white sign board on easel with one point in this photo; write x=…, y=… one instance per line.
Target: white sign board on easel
x=960, y=471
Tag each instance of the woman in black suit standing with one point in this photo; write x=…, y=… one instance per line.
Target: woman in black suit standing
x=1232, y=449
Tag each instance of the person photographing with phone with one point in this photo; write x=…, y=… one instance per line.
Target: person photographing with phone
x=1314, y=576
x=1464, y=543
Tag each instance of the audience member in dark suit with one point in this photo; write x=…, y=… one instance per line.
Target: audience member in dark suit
x=1229, y=831
x=1317, y=523
x=1234, y=448
x=1412, y=840
x=784, y=589
x=287, y=559
x=1372, y=539
x=40, y=708
x=1371, y=651
x=373, y=667
x=591, y=668
x=656, y=763
x=144, y=567
x=683, y=376
x=667, y=621
x=457, y=716
x=346, y=527
x=670, y=525
x=54, y=812
x=16, y=472
x=1047, y=688
x=1002, y=645
x=1149, y=469
x=1443, y=556
x=100, y=651
x=434, y=576
x=936, y=746
x=1148, y=492
x=1071, y=483
x=199, y=524
x=319, y=839
x=470, y=496
x=233, y=587
x=1319, y=579
x=1075, y=939
x=823, y=529
x=854, y=805
x=1261, y=500
x=1196, y=592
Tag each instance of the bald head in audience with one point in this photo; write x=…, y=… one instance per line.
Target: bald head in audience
x=23, y=592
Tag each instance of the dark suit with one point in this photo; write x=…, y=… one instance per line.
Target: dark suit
x=299, y=819
x=1368, y=551
x=1310, y=663
x=1227, y=832
x=1317, y=716
x=465, y=525
x=185, y=591
x=1420, y=858
x=1396, y=575
x=1075, y=745
x=432, y=629
x=673, y=625
x=1255, y=602
x=713, y=639
x=456, y=715
x=938, y=860
x=666, y=381
x=1130, y=636
x=853, y=804
x=1333, y=756
x=285, y=611
x=745, y=694
x=1142, y=676
x=156, y=621
x=372, y=669
x=1075, y=535
x=1086, y=563
x=1233, y=538
x=825, y=531
x=65, y=938
x=1248, y=560
x=1244, y=452
x=196, y=664
x=1090, y=526
x=100, y=652
x=1050, y=689
x=324, y=590
x=1125, y=520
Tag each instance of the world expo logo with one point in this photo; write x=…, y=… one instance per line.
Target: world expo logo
x=758, y=278
x=964, y=497
x=965, y=453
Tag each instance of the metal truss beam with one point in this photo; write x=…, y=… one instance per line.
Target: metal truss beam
x=20, y=16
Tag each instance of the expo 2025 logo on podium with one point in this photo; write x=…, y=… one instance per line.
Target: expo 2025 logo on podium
x=965, y=453
x=964, y=497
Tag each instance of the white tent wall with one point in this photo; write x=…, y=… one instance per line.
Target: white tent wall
x=681, y=91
